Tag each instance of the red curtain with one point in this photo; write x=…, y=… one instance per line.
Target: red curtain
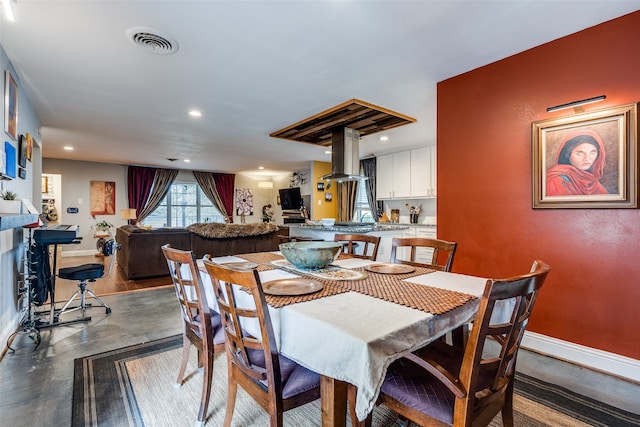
x=224, y=185
x=139, y=183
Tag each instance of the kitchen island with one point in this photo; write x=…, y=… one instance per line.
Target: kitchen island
x=386, y=232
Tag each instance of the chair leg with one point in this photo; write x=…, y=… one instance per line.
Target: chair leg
x=102, y=303
x=507, y=409
x=232, y=389
x=69, y=301
x=206, y=390
x=186, y=345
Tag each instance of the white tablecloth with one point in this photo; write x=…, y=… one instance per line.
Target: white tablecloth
x=354, y=337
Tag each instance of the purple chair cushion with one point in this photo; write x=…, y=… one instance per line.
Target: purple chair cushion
x=295, y=379
x=218, y=330
x=414, y=387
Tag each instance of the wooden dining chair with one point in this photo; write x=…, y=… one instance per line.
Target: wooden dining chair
x=443, y=385
x=370, y=244
x=202, y=326
x=275, y=382
x=441, y=257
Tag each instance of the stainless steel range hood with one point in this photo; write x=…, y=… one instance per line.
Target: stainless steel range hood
x=345, y=156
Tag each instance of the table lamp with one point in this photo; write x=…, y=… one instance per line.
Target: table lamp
x=128, y=214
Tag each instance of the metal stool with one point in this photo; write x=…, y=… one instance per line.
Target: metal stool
x=87, y=273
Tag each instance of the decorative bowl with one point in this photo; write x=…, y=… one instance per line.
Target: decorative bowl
x=310, y=255
x=328, y=222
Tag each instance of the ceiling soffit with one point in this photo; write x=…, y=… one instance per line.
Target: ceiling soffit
x=355, y=114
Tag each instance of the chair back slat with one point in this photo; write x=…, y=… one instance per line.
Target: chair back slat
x=190, y=292
x=442, y=252
x=487, y=371
x=246, y=349
x=351, y=242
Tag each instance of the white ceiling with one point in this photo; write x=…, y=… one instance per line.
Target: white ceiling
x=254, y=67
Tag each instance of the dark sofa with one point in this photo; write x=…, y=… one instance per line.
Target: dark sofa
x=141, y=256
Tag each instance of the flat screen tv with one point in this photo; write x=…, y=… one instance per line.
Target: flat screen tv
x=290, y=198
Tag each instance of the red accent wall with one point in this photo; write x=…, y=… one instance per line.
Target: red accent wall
x=592, y=294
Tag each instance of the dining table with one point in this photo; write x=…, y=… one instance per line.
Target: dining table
x=365, y=315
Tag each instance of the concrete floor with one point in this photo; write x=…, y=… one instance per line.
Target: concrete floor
x=37, y=385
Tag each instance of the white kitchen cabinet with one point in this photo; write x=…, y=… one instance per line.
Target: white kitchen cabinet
x=393, y=175
x=423, y=255
x=406, y=174
x=423, y=172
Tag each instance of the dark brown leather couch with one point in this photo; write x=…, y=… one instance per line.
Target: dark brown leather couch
x=141, y=256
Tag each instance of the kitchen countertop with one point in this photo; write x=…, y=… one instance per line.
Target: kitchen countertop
x=353, y=229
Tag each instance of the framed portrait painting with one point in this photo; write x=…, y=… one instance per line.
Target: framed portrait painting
x=10, y=106
x=587, y=160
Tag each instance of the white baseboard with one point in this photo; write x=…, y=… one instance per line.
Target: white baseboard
x=599, y=360
x=79, y=253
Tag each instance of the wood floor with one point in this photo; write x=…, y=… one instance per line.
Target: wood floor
x=116, y=282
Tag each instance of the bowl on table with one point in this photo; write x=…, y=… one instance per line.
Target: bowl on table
x=328, y=222
x=310, y=255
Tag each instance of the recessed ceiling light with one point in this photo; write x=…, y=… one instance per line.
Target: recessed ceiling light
x=384, y=138
x=195, y=113
x=68, y=148
x=187, y=160
x=261, y=167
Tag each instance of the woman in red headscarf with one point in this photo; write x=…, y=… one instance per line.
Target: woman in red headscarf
x=579, y=166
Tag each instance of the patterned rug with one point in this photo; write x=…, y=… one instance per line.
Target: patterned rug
x=134, y=386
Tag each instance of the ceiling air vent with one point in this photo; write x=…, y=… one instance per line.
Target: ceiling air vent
x=152, y=40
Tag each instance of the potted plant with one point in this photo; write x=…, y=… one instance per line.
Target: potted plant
x=103, y=226
x=9, y=202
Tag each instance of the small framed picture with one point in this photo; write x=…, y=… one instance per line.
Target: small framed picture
x=320, y=186
x=22, y=148
x=328, y=196
x=10, y=106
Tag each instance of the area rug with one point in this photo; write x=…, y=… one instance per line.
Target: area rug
x=134, y=386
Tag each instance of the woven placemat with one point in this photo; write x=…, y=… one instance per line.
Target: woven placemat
x=393, y=288
x=261, y=258
x=329, y=288
x=388, y=287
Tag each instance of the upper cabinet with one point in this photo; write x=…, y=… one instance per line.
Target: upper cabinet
x=393, y=177
x=406, y=174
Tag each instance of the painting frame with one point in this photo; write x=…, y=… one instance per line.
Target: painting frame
x=558, y=184
x=102, y=196
x=22, y=151
x=10, y=106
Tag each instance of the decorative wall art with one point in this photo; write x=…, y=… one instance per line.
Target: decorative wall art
x=10, y=106
x=29, y=152
x=320, y=186
x=244, y=201
x=328, y=197
x=22, y=154
x=10, y=160
x=587, y=160
x=103, y=197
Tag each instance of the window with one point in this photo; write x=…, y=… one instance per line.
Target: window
x=184, y=204
x=362, y=211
